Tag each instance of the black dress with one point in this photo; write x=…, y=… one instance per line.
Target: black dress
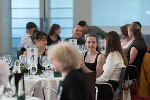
x=91, y=66
x=50, y=42
x=142, y=49
x=75, y=86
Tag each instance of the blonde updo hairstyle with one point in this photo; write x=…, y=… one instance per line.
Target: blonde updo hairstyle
x=66, y=54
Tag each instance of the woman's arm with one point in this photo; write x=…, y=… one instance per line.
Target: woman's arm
x=99, y=66
x=83, y=66
x=133, y=54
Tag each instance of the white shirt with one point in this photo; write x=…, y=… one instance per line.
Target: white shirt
x=112, y=68
x=26, y=41
x=4, y=73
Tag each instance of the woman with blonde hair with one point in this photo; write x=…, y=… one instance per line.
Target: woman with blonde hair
x=66, y=59
x=93, y=60
x=126, y=43
x=138, y=48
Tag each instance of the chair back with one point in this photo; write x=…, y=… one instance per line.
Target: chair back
x=91, y=79
x=121, y=81
x=105, y=91
x=131, y=72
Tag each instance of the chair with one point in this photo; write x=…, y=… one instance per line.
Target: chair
x=117, y=94
x=91, y=79
x=51, y=89
x=106, y=92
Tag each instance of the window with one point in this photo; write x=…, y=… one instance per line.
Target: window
x=24, y=11
x=120, y=12
x=61, y=12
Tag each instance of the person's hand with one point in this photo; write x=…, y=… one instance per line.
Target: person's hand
x=82, y=64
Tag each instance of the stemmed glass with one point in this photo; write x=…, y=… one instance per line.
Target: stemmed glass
x=46, y=63
x=8, y=60
x=33, y=69
x=24, y=61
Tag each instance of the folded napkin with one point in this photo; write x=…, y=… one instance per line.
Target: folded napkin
x=4, y=73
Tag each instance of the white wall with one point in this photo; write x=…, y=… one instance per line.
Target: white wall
x=82, y=11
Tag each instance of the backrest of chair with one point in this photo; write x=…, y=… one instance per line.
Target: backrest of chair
x=131, y=73
x=91, y=79
x=105, y=91
x=121, y=80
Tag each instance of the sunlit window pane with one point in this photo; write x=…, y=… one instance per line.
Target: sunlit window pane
x=18, y=32
x=25, y=13
x=61, y=13
x=25, y=3
x=61, y=3
x=62, y=22
x=21, y=23
x=120, y=12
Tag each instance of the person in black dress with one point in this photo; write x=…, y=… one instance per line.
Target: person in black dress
x=138, y=48
x=66, y=59
x=53, y=35
x=93, y=60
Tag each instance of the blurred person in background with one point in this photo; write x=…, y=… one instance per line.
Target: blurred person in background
x=77, y=33
x=126, y=43
x=138, y=48
x=53, y=35
x=91, y=30
x=26, y=39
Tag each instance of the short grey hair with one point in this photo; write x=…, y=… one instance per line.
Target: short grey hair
x=66, y=54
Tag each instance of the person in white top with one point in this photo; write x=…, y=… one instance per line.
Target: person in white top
x=126, y=43
x=4, y=73
x=26, y=39
x=115, y=60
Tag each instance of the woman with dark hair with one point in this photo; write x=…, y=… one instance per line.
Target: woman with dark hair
x=39, y=39
x=93, y=60
x=115, y=60
x=53, y=35
x=126, y=43
x=138, y=48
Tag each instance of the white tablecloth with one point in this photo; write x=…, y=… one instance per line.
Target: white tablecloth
x=42, y=82
x=15, y=98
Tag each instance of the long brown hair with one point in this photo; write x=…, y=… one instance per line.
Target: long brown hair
x=113, y=44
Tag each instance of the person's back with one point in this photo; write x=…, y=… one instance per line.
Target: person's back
x=26, y=39
x=76, y=87
x=94, y=30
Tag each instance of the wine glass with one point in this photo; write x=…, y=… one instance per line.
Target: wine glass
x=33, y=69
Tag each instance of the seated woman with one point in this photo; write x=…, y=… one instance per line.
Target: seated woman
x=93, y=60
x=53, y=35
x=66, y=59
x=115, y=60
x=126, y=42
x=4, y=73
x=39, y=38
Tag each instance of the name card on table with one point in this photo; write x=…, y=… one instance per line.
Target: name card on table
x=73, y=41
x=32, y=56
